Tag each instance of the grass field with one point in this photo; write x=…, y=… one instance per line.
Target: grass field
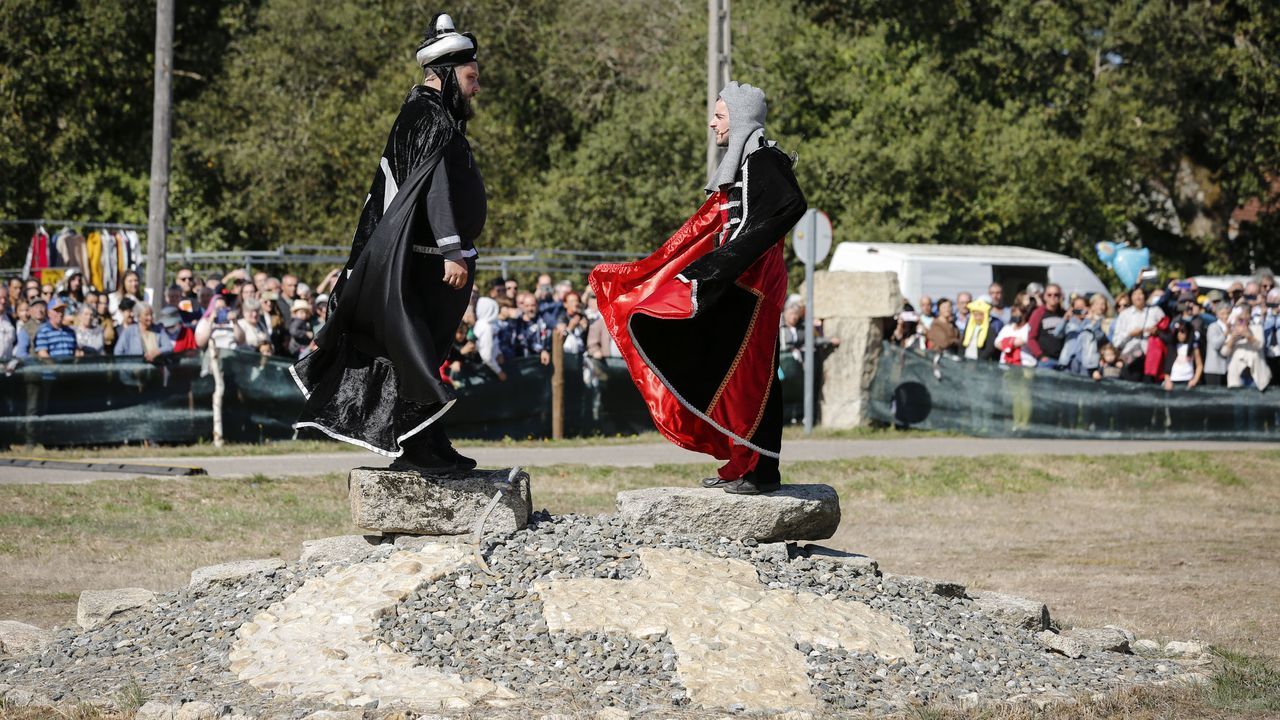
x=1172, y=545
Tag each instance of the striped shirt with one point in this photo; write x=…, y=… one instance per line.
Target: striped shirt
x=60, y=342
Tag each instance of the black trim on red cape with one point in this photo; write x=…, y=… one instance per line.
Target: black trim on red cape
x=698, y=324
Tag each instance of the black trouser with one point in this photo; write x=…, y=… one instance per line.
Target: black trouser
x=768, y=433
x=442, y=307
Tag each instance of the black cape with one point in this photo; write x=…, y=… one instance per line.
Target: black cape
x=373, y=379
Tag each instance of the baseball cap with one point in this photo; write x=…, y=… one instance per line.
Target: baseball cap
x=300, y=305
x=170, y=317
x=57, y=303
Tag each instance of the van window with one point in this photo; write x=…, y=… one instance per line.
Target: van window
x=1015, y=278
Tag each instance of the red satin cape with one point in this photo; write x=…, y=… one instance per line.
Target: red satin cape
x=651, y=287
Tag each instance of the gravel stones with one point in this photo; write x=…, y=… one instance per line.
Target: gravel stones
x=233, y=571
x=346, y=548
x=492, y=628
x=796, y=512
x=417, y=503
x=98, y=606
x=17, y=638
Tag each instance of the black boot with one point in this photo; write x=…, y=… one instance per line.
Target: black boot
x=418, y=456
x=442, y=448
x=754, y=483
x=714, y=482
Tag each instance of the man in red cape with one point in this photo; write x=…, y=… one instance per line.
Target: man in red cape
x=697, y=321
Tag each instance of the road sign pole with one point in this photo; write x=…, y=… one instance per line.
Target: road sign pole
x=811, y=231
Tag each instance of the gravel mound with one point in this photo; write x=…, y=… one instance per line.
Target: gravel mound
x=492, y=628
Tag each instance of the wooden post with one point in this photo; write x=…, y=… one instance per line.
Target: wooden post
x=557, y=386
x=158, y=216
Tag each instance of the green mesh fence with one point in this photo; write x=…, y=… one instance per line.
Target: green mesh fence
x=984, y=398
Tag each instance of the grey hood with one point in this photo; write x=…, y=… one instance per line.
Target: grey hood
x=747, y=110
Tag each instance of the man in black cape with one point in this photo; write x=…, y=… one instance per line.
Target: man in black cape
x=373, y=379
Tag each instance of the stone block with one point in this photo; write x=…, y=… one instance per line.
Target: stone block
x=1146, y=647
x=1070, y=646
x=941, y=588
x=232, y=571
x=855, y=294
x=196, y=710
x=97, y=606
x=1032, y=615
x=343, y=548
x=825, y=554
x=796, y=512
x=1100, y=640
x=156, y=710
x=847, y=372
x=1188, y=649
x=20, y=638
x=418, y=503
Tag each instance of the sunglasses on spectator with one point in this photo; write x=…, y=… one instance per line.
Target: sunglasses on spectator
x=1250, y=298
x=1052, y=294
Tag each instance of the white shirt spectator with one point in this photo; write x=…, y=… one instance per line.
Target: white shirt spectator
x=486, y=330
x=1016, y=333
x=1130, y=319
x=8, y=338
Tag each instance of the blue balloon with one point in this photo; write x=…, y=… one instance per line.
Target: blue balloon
x=1128, y=263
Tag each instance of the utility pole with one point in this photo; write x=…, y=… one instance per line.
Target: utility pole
x=158, y=216
x=719, y=62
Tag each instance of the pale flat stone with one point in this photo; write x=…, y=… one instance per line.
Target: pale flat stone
x=196, y=710
x=22, y=696
x=229, y=572
x=1065, y=644
x=319, y=642
x=796, y=512
x=398, y=501
x=20, y=638
x=826, y=554
x=97, y=606
x=1031, y=615
x=336, y=715
x=612, y=713
x=1189, y=648
x=943, y=588
x=1146, y=647
x=1099, y=640
x=155, y=710
x=745, y=657
x=343, y=548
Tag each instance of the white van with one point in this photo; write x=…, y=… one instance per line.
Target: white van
x=944, y=270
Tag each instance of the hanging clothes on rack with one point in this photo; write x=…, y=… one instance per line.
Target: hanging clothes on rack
x=93, y=243
x=135, y=249
x=122, y=255
x=76, y=253
x=109, y=263
x=37, y=253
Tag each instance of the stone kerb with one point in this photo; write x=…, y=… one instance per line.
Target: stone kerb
x=851, y=305
x=417, y=503
x=796, y=512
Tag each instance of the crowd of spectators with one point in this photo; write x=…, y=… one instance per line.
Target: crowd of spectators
x=264, y=314
x=1177, y=336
